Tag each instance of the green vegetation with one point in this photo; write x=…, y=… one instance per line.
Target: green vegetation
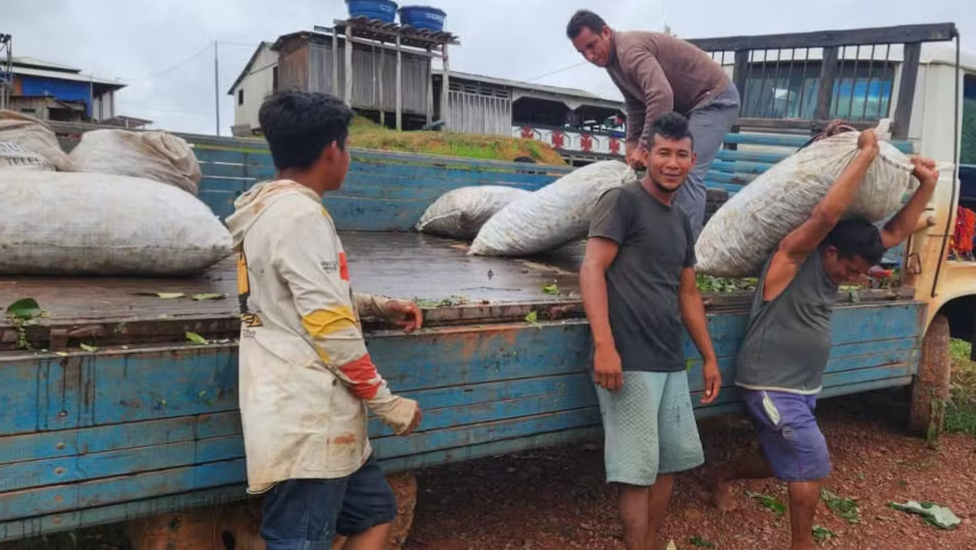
x=365, y=134
x=961, y=412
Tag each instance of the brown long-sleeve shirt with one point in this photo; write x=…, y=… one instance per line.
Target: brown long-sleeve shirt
x=658, y=73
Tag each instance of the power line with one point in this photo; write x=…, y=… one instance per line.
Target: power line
x=175, y=66
x=557, y=71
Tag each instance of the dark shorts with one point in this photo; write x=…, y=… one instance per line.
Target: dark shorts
x=788, y=433
x=306, y=514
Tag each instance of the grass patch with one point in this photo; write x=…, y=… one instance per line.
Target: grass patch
x=366, y=134
x=961, y=412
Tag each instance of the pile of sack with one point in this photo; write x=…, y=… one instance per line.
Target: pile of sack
x=735, y=242
x=121, y=203
x=505, y=221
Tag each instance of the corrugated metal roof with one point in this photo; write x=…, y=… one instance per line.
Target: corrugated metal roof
x=59, y=75
x=40, y=63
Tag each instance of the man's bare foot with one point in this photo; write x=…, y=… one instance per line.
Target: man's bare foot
x=721, y=491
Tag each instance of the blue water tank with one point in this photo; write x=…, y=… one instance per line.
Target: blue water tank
x=422, y=17
x=384, y=10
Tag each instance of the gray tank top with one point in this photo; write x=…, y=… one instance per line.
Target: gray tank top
x=787, y=343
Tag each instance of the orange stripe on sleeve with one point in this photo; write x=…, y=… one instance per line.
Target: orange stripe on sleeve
x=362, y=373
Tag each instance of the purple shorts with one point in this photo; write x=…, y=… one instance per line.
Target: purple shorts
x=788, y=433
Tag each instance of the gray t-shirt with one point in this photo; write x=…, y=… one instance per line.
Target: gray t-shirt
x=787, y=343
x=655, y=246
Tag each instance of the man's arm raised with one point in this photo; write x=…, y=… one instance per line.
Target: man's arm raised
x=801, y=242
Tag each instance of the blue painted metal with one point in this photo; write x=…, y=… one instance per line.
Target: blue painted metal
x=383, y=10
x=388, y=191
x=65, y=90
x=169, y=414
x=91, y=439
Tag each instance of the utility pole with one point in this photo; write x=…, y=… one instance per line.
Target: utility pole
x=6, y=69
x=217, y=88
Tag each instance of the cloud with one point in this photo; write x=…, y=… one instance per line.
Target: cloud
x=155, y=46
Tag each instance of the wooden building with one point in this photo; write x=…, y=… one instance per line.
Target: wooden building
x=580, y=125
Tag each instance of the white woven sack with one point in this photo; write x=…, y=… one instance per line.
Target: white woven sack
x=552, y=216
x=97, y=224
x=35, y=136
x=159, y=156
x=15, y=157
x=460, y=213
x=743, y=233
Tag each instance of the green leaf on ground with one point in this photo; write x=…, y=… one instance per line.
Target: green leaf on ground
x=844, y=507
x=770, y=502
x=935, y=515
x=24, y=309
x=196, y=338
x=208, y=296
x=821, y=534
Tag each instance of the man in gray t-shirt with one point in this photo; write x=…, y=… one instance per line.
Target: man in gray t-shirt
x=639, y=291
x=781, y=363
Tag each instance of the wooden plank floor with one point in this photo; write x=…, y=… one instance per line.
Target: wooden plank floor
x=402, y=265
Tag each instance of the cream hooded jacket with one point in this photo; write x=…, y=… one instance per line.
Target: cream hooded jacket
x=306, y=378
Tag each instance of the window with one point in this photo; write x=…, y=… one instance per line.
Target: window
x=862, y=91
x=240, y=97
x=27, y=111
x=967, y=141
x=274, y=79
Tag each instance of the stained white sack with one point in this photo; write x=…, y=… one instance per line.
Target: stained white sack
x=34, y=136
x=15, y=157
x=97, y=224
x=460, y=213
x=552, y=216
x=744, y=232
x=159, y=156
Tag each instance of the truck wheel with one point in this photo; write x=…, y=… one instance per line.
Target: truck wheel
x=930, y=389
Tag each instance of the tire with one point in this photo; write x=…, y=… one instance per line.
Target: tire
x=930, y=388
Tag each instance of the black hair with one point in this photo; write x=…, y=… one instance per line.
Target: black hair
x=584, y=19
x=672, y=126
x=300, y=125
x=856, y=237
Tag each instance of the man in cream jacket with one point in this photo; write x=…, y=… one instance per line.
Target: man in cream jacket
x=306, y=379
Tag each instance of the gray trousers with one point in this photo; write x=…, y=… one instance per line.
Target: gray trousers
x=708, y=124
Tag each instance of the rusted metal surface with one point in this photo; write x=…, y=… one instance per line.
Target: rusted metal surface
x=452, y=287
x=435, y=272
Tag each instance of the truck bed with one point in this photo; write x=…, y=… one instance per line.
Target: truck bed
x=430, y=270
x=451, y=286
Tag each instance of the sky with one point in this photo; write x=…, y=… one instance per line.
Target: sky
x=164, y=49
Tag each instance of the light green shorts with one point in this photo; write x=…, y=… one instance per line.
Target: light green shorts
x=649, y=428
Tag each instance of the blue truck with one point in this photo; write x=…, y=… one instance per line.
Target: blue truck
x=111, y=414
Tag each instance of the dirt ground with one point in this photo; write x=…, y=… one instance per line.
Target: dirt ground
x=557, y=499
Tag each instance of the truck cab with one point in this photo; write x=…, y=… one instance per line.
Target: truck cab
x=921, y=80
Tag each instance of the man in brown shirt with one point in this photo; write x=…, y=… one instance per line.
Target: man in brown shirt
x=658, y=73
